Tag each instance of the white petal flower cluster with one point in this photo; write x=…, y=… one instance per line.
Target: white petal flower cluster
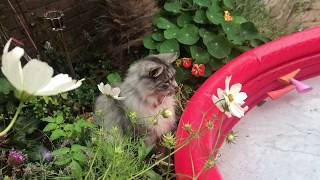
x=36, y=77
x=109, y=91
x=231, y=100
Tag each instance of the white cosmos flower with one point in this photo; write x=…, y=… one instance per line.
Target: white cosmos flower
x=231, y=99
x=109, y=91
x=35, y=78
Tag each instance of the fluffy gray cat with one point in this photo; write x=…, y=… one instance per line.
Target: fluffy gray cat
x=149, y=89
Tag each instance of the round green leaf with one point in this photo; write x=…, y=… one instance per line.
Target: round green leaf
x=219, y=47
x=200, y=17
x=149, y=43
x=200, y=55
x=170, y=45
x=239, y=19
x=157, y=36
x=205, y=3
x=215, y=14
x=114, y=78
x=233, y=32
x=188, y=34
x=173, y=7
x=5, y=86
x=248, y=31
x=229, y=4
x=171, y=33
x=207, y=37
x=163, y=23
x=184, y=19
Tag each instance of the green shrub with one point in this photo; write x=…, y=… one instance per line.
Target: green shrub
x=201, y=29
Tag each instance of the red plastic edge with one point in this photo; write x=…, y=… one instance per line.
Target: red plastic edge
x=257, y=70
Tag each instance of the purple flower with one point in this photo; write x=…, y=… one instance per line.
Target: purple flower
x=47, y=155
x=15, y=158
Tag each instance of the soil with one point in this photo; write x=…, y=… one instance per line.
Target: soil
x=295, y=14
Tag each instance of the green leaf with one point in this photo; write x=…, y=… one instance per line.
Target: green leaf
x=233, y=32
x=79, y=156
x=207, y=36
x=149, y=43
x=188, y=34
x=59, y=118
x=184, y=19
x=248, y=31
x=114, y=78
x=5, y=86
x=229, y=4
x=151, y=174
x=200, y=17
x=239, y=19
x=157, y=36
x=164, y=23
x=200, y=55
x=50, y=127
x=219, y=47
x=215, y=14
x=256, y=42
x=205, y=3
x=171, y=33
x=62, y=161
x=77, y=147
x=68, y=127
x=173, y=7
x=56, y=134
x=60, y=152
x=49, y=119
x=170, y=45
x=76, y=170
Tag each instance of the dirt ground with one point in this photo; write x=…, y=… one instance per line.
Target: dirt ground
x=295, y=14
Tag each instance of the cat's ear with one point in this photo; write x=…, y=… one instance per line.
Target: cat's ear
x=167, y=57
x=155, y=71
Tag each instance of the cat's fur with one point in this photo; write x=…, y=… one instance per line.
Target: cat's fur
x=148, y=88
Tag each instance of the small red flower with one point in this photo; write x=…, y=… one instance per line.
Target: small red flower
x=197, y=70
x=186, y=62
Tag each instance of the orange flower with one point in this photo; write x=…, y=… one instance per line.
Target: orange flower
x=186, y=62
x=227, y=16
x=198, y=70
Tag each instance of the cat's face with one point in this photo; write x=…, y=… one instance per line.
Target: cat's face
x=157, y=75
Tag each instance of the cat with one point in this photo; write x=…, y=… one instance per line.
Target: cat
x=149, y=89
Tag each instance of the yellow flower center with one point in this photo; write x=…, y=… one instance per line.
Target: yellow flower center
x=230, y=97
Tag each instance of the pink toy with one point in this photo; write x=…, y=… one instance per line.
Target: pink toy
x=258, y=70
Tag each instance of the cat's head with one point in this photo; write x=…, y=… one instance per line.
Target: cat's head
x=154, y=74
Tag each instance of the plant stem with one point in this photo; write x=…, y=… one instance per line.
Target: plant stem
x=91, y=165
x=213, y=151
x=13, y=120
x=157, y=162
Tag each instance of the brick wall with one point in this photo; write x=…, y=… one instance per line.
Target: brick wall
x=78, y=17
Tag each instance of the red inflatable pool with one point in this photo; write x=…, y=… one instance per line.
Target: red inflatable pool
x=257, y=70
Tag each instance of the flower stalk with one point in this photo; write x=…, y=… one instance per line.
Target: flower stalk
x=13, y=120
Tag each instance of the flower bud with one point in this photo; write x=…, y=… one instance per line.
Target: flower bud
x=166, y=113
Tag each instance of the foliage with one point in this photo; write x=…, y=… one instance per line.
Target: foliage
x=201, y=30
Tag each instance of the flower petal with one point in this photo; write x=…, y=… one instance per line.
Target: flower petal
x=236, y=110
x=118, y=98
x=236, y=88
x=240, y=97
x=227, y=83
x=220, y=93
x=58, y=84
x=100, y=87
x=115, y=91
x=36, y=75
x=11, y=65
